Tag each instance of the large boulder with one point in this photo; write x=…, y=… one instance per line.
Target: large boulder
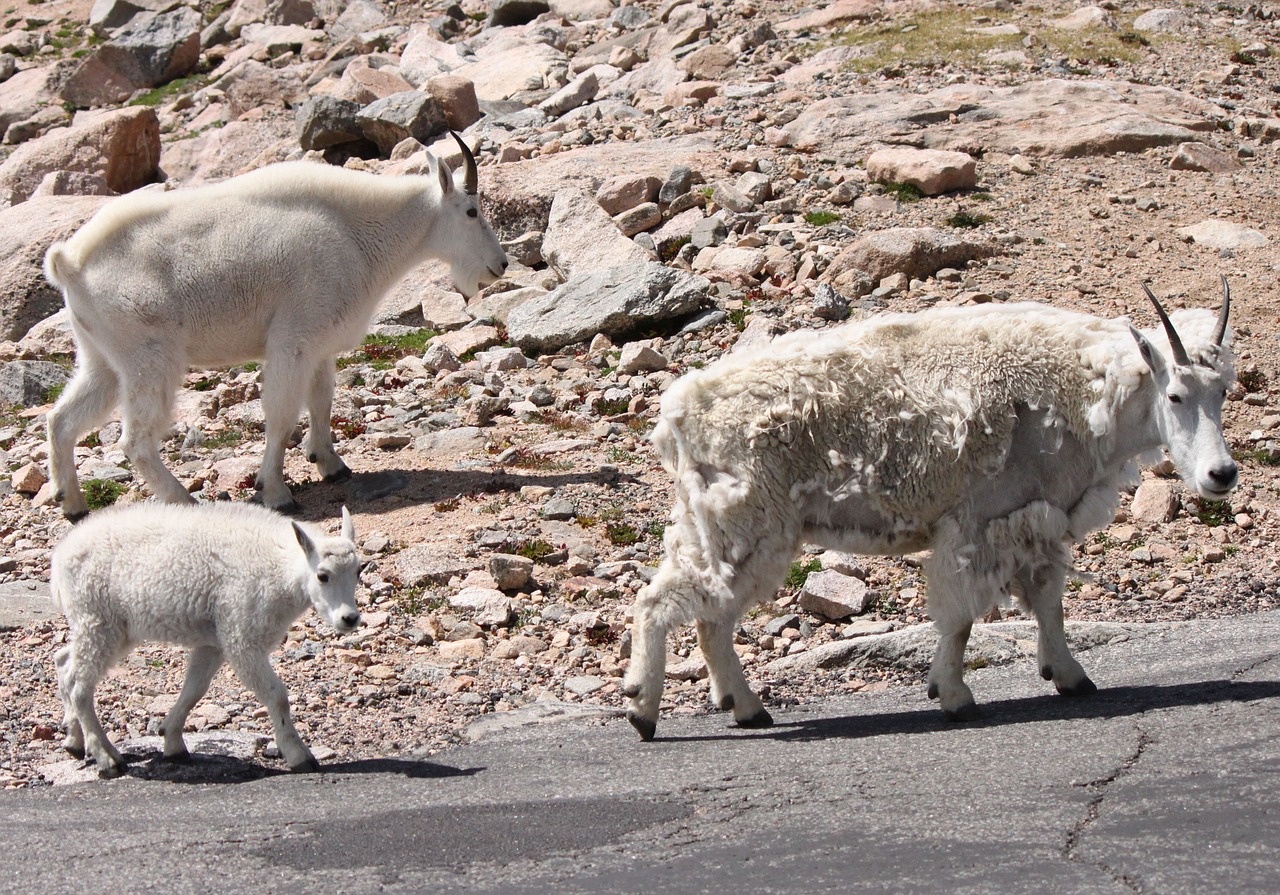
x=149, y=51
x=614, y=302
x=581, y=237
x=26, y=232
x=932, y=171
x=917, y=252
x=28, y=91
x=400, y=116
x=122, y=146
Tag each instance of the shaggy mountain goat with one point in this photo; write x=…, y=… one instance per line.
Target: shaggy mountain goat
x=993, y=435
x=226, y=580
x=285, y=264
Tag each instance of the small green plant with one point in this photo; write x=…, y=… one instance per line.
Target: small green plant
x=535, y=549
x=621, y=534
x=348, y=428
x=738, y=317
x=251, y=367
x=1264, y=456
x=446, y=506
x=164, y=92
x=904, y=192
x=381, y=352
x=981, y=197
x=204, y=384
x=821, y=218
x=99, y=493
x=800, y=571
x=612, y=406
x=1212, y=512
x=656, y=530
x=966, y=220
x=92, y=440
x=670, y=250
x=228, y=437
x=54, y=392
x=1252, y=380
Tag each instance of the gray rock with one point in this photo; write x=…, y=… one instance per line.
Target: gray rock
x=829, y=304
x=775, y=627
x=27, y=382
x=1162, y=20
x=581, y=238
x=1155, y=501
x=358, y=17
x=932, y=171
x=708, y=232
x=26, y=232
x=915, y=251
x=559, y=508
x=540, y=712
x=490, y=608
x=580, y=90
x=1218, y=234
x=154, y=49
x=325, y=121
x=584, y=684
x=375, y=485
x=625, y=192
x=504, y=13
x=834, y=595
x=676, y=185
x=640, y=358
x=511, y=572
x=639, y=219
x=25, y=602
x=615, y=302
x=1196, y=156
x=402, y=115
x=8, y=66
x=428, y=564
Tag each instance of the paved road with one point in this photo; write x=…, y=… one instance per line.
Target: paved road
x=1166, y=781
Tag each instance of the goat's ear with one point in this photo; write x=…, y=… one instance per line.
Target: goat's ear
x=1154, y=359
x=304, y=541
x=348, y=527
x=446, y=176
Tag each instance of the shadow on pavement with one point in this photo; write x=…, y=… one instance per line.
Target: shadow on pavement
x=213, y=768
x=1114, y=702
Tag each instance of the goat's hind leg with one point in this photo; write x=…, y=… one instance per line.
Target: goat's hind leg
x=64, y=664
x=92, y=395
x=1042, y=590
x=319, y=444
x=148, y=416
x=84, y=668
x=202, y=664
x=729, y=687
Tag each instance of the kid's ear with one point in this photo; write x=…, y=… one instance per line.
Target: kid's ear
x=446, y=177
x=304, y=541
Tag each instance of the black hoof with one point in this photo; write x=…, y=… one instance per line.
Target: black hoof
x=73, y=518
x=631, y=691
x=75, y=753
x=292, y=508
x=643, y=726
x=310, y=766
x=1084, y=688
x=932, y=692
x=726, y=702
x=967, y=712
x=183, y=757
x=1046, y=672
x=343, y=473
x=760, y=719
x=110, y=771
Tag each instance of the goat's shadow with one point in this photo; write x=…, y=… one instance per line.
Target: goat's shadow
x=369, y=491
x=212, y=767
x=1113, y=702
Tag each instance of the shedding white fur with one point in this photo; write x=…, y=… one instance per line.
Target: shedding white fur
x=992, y=436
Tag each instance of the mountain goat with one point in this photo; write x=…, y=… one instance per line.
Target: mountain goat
x=993, y=435
x=285, y=264
x=225, y=580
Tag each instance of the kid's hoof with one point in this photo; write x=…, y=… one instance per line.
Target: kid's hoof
x=643, y=726
x=966, y=712
x=1046, y=672
x=73, y=518
x=74, y=751
x=343, y=473
x=760, y=719
x=310, y=766
x=183, y=757
x=932, y=692
x=726, y=702
x=1084, y=688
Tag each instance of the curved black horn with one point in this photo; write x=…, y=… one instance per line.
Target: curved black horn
x=1221, y=332
x=471, y=182
x=1175, y=343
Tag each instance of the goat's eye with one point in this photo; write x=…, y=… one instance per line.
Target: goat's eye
x=322, y=577
x=1175, y=399
x=473, y=213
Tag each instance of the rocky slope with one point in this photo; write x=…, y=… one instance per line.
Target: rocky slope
x=673, y=179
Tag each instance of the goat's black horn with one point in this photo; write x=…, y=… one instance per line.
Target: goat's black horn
x=1221, y=332
x=1175, y=343
x=471, y=182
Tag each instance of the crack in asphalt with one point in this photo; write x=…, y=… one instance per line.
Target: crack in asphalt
x=1241, y=672
x=1100, y=787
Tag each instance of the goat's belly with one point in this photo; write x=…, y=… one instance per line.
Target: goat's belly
x=883, y=542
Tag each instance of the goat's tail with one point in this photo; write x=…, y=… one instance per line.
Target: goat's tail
x=59, y=268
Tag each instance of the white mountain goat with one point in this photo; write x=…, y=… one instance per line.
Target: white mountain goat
x=285, y=264
x=993, y=435
x=226, y=580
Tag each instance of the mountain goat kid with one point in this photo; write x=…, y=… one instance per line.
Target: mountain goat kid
x=993, y=435
x=225, y=580
x=285, y=264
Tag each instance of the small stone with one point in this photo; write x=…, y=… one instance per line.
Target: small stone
x=835, y=596
x=1154, y=502
x=28, y=479
x=640, y=358
x=509, y=571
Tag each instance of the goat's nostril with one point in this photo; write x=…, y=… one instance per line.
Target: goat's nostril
x=1224, y=475
x=505, y=263
x=351, y=619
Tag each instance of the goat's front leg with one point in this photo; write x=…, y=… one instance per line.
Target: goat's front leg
x=319, y=443
x=202, y=664
x=1042, y=590
x=255, y=672
x=729, y=687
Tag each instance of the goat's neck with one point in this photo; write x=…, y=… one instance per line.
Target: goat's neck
x=1135, y=429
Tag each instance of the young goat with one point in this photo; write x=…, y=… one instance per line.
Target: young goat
x=225, y=580
x=285, y=264
x=994, y=436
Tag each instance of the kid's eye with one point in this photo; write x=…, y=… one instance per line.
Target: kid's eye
x=322, y=577
x=471, y=213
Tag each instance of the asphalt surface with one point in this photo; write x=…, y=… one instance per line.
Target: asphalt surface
x=1165, y=781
